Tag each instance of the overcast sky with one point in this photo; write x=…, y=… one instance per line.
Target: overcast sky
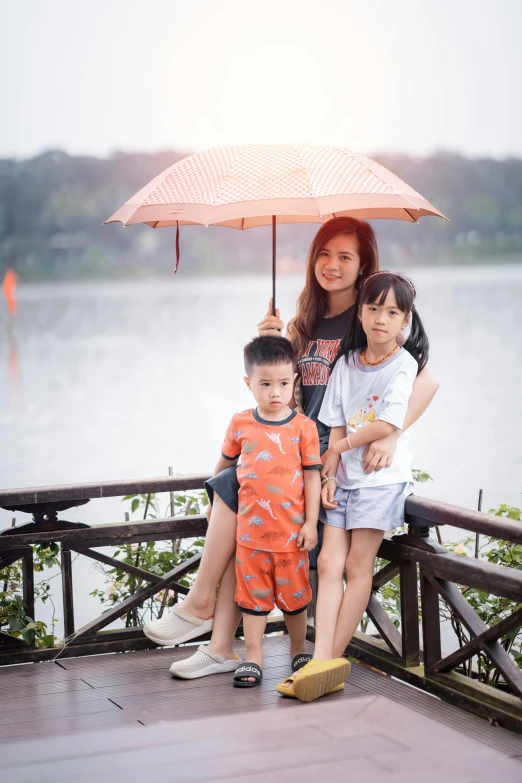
x=373, y=75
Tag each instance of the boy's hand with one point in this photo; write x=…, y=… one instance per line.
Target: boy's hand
x=307, y=537
x=328, y=494
x=330, y=462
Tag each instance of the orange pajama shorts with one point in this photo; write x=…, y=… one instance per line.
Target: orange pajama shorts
x=265, y=579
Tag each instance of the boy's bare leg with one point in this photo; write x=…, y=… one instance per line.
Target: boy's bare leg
x=226, y=615
x=220, y=545
x=359, y=567
x=254, y=626
x=296, y=625
x=331, y=565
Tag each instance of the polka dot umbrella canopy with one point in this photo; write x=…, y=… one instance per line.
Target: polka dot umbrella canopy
x=256, y=185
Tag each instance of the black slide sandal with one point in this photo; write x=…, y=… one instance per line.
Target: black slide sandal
x=247, y=669
x=300, y=661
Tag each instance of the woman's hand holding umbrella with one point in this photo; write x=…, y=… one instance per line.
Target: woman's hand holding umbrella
x=271, y=324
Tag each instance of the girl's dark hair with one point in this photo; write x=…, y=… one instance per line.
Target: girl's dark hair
x=374, y=291
x=269, y=350
x=312, y=304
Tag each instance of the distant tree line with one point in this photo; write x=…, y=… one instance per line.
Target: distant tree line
x=52, y=208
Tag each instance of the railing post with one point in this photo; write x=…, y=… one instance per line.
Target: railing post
x=28, y=583
x=67, y=591
x=409, y=613
x=430, y=621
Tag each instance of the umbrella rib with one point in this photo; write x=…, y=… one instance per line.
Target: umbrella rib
x=218, y=195
x=308, y=180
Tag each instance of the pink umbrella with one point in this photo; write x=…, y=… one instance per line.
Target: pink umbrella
x=258, y=185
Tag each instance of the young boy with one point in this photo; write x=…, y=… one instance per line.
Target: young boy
x=279, y=496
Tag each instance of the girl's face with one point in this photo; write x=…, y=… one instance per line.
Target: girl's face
x=338, y=262
x=382, y=323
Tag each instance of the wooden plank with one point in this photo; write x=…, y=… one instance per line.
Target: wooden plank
x=473, y=646
x=409, y=613
x=385, y=575
x=385, y=626
x=114, y=563
x=467, y=571
x=192, y=526
x=67, y=593
x=430, y=620
x=59, y=725
x=141, y=595
x=28, y=584
x=422, y=511
x=103, y=489
x=496, y=652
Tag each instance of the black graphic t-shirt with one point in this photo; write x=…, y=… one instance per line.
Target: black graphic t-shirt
x=315, y=367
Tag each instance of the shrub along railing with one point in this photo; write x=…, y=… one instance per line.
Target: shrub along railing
x=426, y=571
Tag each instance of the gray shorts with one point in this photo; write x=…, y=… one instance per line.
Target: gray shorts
x=379, y=508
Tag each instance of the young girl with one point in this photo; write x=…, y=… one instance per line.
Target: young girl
x=366, y=399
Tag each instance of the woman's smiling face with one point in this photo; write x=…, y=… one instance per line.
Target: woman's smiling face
x=338, y=262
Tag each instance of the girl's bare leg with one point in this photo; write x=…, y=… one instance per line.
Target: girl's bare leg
x=331, y=564
x=359, y=566
x=220, y=545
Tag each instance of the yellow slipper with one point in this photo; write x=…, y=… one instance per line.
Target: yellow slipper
x=288, y=690
x=320, y=677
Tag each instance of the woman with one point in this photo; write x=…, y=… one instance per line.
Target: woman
x=342, y=255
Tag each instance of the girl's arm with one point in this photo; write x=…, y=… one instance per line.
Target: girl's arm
x=375, y=431
x=379, y=454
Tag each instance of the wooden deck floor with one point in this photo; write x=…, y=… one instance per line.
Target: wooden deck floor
x=99, y=718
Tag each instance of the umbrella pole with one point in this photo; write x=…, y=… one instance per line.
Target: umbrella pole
x=273, y=264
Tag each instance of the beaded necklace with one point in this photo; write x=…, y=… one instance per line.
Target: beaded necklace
x=380, y=361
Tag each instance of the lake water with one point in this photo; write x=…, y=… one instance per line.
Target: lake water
x=112, y=380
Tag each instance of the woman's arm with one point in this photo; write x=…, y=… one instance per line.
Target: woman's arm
x=223, y=464
x=379, y=454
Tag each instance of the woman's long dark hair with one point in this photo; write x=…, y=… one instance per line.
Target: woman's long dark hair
x=374, y=291
x=312, y=304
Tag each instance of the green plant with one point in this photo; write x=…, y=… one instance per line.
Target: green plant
x=156, y=557
x=13, y=610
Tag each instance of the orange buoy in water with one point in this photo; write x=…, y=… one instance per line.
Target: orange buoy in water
x=9, y=289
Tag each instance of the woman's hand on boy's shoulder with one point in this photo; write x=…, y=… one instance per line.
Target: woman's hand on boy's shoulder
x=270, y=324
x=307, y=539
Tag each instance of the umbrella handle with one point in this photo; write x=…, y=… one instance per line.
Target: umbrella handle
x=273, y=264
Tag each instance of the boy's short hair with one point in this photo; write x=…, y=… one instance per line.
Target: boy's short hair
x=268, y=350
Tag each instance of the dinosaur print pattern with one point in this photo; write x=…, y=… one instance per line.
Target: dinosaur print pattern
x=272, y=457
x=280, y=581
x=275, y=437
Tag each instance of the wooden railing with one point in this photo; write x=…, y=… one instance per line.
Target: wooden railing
x=427, y=573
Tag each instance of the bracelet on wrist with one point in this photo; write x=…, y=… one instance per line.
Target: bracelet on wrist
x=329, y=478
x=349, y=442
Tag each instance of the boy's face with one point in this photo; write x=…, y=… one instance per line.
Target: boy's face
x=272, y=385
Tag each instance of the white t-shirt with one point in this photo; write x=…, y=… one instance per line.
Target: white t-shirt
x=358, y=395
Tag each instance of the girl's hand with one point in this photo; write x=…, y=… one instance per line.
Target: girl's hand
x=379, y=454
x=330, y=462
x=271, y=324
x=307, y=537
x=328, y=494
